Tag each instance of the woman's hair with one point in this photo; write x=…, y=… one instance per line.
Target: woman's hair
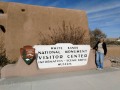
x=101, y=39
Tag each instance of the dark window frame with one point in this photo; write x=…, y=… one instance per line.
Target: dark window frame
x=2, y=28
x=1, y=11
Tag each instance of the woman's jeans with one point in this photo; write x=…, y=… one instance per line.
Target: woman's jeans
x=99, y=59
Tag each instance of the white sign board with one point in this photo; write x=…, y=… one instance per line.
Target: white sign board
x=61, y=55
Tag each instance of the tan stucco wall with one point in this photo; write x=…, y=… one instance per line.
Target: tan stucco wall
x=22, y=28
x=21, y=69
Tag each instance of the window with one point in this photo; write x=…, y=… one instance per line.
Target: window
x=23, y=10
x=1, y=11
x=2, y=28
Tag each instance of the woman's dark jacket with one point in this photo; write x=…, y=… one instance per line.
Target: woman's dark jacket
x=103, y=46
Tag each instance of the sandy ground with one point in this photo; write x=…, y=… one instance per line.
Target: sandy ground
x=113, y=51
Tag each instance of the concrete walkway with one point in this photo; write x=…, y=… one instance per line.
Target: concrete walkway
x=107, y=79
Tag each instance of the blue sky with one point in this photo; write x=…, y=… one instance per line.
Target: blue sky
x=102, y=14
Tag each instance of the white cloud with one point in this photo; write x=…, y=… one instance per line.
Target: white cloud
x=111, y=17
x=54, y=4
x=98, y=7
x=103, y=7
x=101, y=15
x=106, y=23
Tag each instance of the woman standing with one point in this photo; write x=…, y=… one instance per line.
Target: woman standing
x=101, y=51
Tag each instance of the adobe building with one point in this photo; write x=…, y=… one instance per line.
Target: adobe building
x=21, y=24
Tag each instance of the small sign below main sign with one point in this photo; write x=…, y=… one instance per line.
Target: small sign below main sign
x=61, y=55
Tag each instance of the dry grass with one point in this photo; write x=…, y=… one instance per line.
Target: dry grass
x=3, y=59
x=64, y=34
x=2, y=43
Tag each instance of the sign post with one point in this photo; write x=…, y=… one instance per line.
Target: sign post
x=61, y=55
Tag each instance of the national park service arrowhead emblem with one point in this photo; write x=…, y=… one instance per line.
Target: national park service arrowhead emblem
x=27, y=54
